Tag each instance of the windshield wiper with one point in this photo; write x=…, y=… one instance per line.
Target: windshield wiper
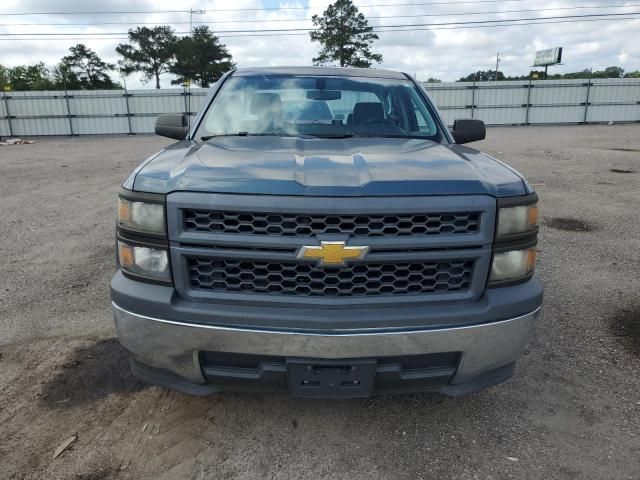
x=239, y=134
x=247, y=134
x=337, y=135
x=411, y=137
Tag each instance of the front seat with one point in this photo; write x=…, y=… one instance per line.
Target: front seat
x=268, y=108
x=365, y=111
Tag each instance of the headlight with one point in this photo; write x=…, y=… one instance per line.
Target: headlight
x=146, y=262
x=141, y=216
x=516, y=220
x=513, y=265
x=514, y=253
x=143, y=249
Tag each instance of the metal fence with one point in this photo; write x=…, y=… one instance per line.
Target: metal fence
x=81, y=112
x=540, y=102
x=497, y=103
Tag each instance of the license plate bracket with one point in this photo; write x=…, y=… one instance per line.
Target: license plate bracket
x=331, y=378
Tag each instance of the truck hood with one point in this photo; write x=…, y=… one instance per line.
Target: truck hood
x=332, y=167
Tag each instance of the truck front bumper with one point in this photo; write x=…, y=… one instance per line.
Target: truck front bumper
x=170, y=353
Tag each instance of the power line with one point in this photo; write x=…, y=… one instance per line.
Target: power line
x=146, y=12
x=131, y=12
x=375, y=30
x=278, y=20
x=446, y=28
x=288, y=30
x=516, y=24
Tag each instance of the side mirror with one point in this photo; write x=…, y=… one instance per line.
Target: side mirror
x=468, y=130
x=172, y=125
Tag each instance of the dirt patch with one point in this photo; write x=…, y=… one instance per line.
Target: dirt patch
x=622, y=149
x=568, y=224
x=625, y=325
x=621, y=170
x=91, y=373
x=103, y=474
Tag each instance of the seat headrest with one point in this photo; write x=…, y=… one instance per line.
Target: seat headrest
x=266, y=103
x=364, y=111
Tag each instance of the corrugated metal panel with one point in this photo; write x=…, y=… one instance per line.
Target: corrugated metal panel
x=3, y=110
x=4, y=128
x=37, y=104
x=88, y=126
x=614, y=113
x=450, y=96
x=100, y=103
x=625, y=90
x=156, y=101
x=558, y=92
x=4, y=121
x=558, y=101
x=501, y=94
x=565, y=114
x=42, y=126
x=143, y=124
x=501, y=116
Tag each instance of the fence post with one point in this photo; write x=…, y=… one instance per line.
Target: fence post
x=473, y=97
x=184, y=97
x=586, y=101
x=186, y=107
x=6, y=107
x=526, y=118
x=66, y=100
x=126, y=101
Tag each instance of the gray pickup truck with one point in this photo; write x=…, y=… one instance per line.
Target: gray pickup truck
x=320, y=231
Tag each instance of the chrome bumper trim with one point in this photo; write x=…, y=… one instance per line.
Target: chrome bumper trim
x=174, y=346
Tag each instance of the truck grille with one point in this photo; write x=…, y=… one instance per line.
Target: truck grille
x=303, y=279
x=296, y=225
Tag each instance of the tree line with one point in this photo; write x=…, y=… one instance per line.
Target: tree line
x=490, y=75
x=342, y=32
x=198, y=58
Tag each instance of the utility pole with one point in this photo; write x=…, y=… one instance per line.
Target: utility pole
x=191, y=12
x=497, y=63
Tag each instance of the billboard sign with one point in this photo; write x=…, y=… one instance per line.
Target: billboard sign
x=551, y=56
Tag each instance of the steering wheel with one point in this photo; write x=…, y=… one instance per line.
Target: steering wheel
x=384, y=125
x=378, y=121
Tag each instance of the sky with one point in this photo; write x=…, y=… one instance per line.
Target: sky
x=446, y=52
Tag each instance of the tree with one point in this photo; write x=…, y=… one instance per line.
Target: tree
x=345, y=36
x=635, y=74
x=4, y=77
x=486, y=75
x=433, y=80
x=610, y=72
x=25, y=77
x=85, y=69
x=65, y=78
x=200, y=58
x=150, y=51
x=482, y=76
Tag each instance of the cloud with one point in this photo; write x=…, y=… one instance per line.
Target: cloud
x=442, y=53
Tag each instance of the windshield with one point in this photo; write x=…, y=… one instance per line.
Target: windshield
x=322, y=106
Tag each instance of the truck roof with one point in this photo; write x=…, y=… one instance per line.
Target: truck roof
x=319, y=71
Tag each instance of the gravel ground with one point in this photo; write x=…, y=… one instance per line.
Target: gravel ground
x=571, y=412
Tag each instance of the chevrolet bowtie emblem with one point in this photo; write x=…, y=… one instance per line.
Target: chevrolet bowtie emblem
x=332, y=253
